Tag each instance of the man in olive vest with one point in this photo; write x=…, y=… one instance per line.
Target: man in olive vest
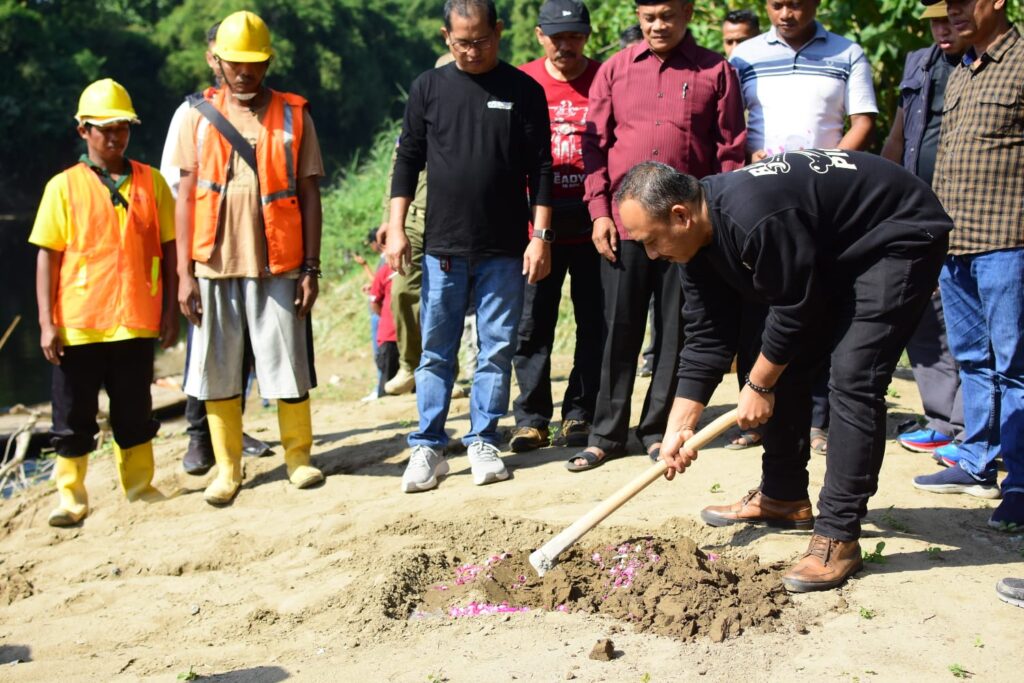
x=248, y=223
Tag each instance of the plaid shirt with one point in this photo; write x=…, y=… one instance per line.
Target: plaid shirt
x=979, y=175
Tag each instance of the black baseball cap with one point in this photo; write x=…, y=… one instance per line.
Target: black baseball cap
x=564, y=16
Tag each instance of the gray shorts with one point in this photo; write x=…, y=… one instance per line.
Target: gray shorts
x=264, y=309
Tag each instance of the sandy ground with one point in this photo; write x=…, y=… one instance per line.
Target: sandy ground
x=317, y=585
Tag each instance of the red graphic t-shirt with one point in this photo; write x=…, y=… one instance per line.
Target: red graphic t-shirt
x=380, y=292
x=568, y=108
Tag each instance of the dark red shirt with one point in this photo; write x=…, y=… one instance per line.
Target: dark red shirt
x=685, y=111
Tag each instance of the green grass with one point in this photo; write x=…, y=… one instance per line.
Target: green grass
x=354, y=204
x=876, y=556
x=959, y=672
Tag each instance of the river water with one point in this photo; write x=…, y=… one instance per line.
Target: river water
x=24, y=373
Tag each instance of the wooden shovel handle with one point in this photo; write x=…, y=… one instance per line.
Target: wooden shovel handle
x=550, y=551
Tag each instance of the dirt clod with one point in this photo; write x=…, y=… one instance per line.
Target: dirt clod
x=604, y=650
x=666, y=587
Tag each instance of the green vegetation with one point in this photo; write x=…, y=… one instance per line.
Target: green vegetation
x=959, y=672
x=934, y=552
x=189, y=675
x=352, y=59
x=866, y=613
x=876, y=556
x=716, y=488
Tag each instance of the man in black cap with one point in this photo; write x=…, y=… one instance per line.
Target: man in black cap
x=845, y=248
x=565, y=73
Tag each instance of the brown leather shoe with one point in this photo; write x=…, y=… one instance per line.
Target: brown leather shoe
x=825, y=565
x=528, y=439
x=757, y=508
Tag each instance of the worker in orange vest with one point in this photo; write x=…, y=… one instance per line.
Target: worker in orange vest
x=105, y=285
x=248, y=225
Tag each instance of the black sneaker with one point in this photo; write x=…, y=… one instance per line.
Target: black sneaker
x=958, y=480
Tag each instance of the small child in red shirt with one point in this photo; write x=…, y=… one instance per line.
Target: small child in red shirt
x=387, y=339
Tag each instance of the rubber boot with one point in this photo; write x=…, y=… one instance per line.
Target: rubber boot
x=69, y=473
x=293, y=419
x=135, y=470
x=225, y=420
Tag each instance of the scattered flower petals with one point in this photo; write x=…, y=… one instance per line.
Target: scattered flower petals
x=475, y=609
x=626, y=562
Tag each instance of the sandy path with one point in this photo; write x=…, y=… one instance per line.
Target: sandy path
x=299, y=585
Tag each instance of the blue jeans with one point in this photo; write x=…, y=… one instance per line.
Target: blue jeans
x=984, y=308
x=497, y=286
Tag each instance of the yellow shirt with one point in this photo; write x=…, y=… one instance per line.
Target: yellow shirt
x=52, y=230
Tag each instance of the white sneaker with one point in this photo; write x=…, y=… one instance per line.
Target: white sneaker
x=486, y=465
x=425, y=466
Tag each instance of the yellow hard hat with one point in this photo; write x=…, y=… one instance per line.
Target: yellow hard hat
x=934, y=10
x=105, y=101
x=243, y=37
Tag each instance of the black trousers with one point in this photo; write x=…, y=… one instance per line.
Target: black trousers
x=387, y=363
x=869, y=321
x=628, y=285
x=125, y=370
x=534, y=406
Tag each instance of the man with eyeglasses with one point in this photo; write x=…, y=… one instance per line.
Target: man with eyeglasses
x=482, y=127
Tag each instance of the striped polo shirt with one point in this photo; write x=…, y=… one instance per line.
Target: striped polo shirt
x=799, y=99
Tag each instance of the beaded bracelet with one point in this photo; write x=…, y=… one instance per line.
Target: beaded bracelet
x=758, y=388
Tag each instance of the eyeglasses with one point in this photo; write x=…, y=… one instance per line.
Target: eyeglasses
x=464, y=46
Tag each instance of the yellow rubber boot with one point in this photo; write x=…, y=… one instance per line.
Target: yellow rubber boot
x=293, y=420
x=69, y=473
x=135, y=469
x=225, y=420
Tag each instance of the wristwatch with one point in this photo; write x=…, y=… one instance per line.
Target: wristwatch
x=546, y=234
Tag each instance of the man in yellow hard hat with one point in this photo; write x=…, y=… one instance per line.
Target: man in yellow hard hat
x=248, y=224
x=105, y=285
x=198, y=458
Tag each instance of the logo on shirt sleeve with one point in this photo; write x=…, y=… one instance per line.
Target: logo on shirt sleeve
x=498, y=104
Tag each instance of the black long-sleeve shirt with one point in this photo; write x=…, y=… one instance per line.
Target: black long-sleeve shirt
x=487, y=141
x=791, y=231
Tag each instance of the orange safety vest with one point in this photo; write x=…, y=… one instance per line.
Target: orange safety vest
x=277, y=155
x=110, y=277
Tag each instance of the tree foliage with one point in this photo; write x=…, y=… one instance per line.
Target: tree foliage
x=352, y=59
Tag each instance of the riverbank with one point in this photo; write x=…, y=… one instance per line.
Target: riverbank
x=313, y=585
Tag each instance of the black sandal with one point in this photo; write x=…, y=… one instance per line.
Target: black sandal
x=593, y=461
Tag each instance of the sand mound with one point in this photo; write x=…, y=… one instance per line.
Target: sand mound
x=666, y=587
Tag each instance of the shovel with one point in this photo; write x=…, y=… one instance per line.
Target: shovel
x=546, y=556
